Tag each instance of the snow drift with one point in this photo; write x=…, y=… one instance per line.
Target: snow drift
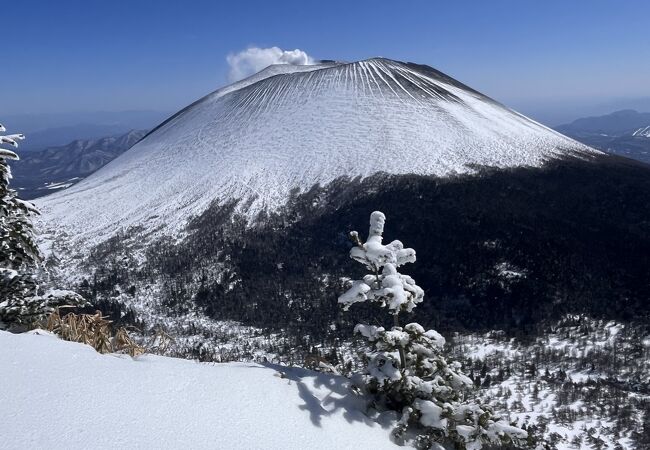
x=291, y=127
x=65, y=395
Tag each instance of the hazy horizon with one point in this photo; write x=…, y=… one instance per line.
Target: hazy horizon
x=72, y=56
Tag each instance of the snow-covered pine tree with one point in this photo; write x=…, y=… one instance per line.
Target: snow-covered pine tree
x=20, y=304
x=406, y=370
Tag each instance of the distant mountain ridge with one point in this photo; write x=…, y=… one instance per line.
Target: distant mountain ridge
x=43, y=172
x=617, y=123
x=57, y=129
x=625, y=133
x=62, y=136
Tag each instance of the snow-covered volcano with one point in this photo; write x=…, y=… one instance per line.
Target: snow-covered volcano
x=290, y=127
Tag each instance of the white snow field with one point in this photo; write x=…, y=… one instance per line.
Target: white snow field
x=62, y=395
x=291, y=127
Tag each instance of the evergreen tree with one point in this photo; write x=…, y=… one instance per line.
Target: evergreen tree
x=406, y=370
x=20, y=304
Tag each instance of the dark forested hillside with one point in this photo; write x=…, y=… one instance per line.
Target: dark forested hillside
x=506, y=249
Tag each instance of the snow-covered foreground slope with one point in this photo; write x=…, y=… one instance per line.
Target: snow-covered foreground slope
x=290, y=128
x=65, y=395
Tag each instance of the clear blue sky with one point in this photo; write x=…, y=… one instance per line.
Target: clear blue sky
x=93, y=55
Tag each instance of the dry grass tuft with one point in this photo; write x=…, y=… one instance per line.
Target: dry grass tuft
x=160, y=342
x=94, y=330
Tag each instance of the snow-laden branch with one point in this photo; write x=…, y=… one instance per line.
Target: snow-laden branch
x=384, y=285
x=405, y=368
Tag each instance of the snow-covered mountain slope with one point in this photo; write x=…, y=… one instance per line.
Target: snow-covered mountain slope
x=65, y=395
x=289, y=128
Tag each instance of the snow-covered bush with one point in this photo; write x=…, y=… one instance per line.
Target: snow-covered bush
x=22, y=312
x=406, y=370
x=20, y=304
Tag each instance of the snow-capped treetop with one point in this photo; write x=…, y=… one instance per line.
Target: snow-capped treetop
x=373, y=254
x=384, y=285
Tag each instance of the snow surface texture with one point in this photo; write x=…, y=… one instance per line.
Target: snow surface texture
x=291, y=127
x=65, y=395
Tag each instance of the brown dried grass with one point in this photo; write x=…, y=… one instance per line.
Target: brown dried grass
x=94, y=330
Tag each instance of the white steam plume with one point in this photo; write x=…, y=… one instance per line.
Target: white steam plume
x=253, y=59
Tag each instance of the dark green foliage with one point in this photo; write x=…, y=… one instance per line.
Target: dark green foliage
x=575, y=234
x=21, y=304
x=19, y=254
x=114, y=274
